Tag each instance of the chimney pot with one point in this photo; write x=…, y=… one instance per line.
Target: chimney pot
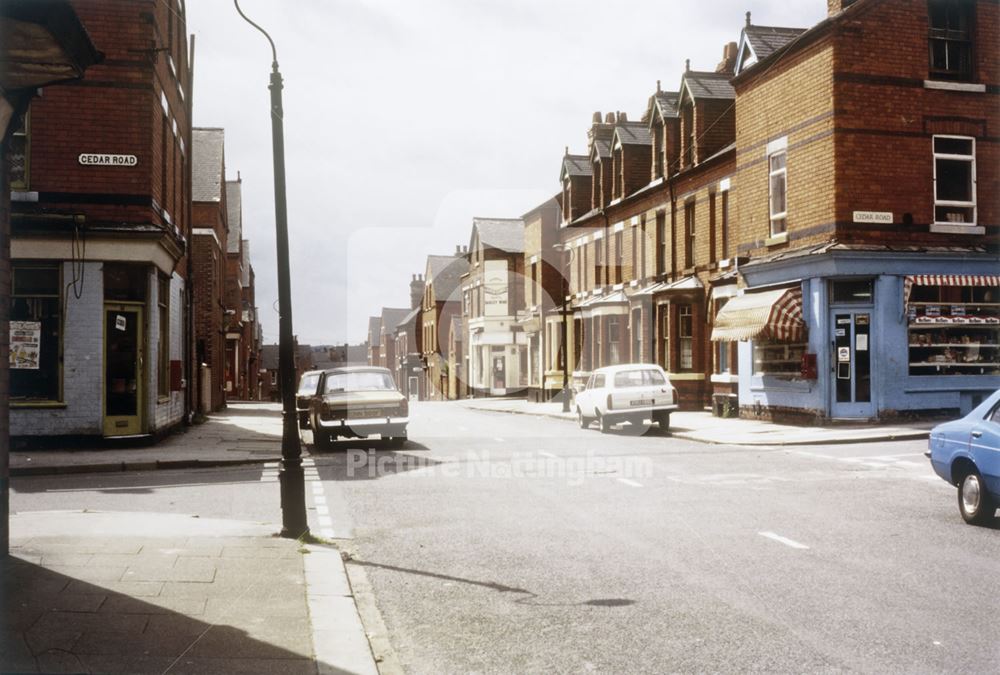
x=687, y=65
x=748, y=19
x=657, y=86
x=622, y=116
x=837, y=6
x=458, y=248
x=596, y=119
x=609, y=118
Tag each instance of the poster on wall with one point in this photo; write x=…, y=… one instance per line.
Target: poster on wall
x=25, y=344
x=495, y=288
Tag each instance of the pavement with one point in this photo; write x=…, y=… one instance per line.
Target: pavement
x=704, y=427
x=119, y=592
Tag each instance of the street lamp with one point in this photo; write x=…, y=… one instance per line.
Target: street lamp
x=564, y=288
x=290, y=476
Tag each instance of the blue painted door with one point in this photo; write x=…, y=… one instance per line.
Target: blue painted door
x=852, y=364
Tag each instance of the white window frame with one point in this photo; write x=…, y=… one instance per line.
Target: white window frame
x=771, y=174
x=971, y=158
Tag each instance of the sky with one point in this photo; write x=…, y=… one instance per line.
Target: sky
x=404, y=119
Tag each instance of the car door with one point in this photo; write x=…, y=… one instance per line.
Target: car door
x=583, y=397
x=984, y=446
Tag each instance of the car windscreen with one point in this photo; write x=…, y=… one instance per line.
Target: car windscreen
x=308, y=384
x=365, y=380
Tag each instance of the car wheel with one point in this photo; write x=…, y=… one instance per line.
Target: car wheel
x=605, y=424
x=321, y=439
x=397, y=441
x=581, y=419
x=974, y=502
x=662, y=420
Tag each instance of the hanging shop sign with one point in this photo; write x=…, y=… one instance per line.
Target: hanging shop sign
x=25, y=344
x=98, y=159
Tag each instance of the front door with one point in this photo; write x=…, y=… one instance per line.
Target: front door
x=852, y=364
x=123, y=370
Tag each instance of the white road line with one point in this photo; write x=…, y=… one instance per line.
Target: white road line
x=319, y=499
x=498, y=439
x=325, y=521
x=784, y=540
x=327, y=532
x=322, y=510
x=547, y=454
x=630, y=482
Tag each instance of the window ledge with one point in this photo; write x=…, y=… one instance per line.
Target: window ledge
x=28, y=405
x=725, y=378
x=160, y=400
x=673, y=377
x=953, y=228
x=946, y=85
x=17, y=195
x=776, y=239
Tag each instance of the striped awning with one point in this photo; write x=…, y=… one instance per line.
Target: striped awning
x=948, y=280
x=774, y=315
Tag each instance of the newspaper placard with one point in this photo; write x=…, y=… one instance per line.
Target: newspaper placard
x=25, y=344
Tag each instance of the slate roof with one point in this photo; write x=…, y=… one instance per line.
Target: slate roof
x=408, y=319
x=633, y=133
x=505, y=234
x=665, y=102
x=577, y=165
x=765, y=40
x=234, y=208
x=704, y=85
x=207, y=164
x=445, y=272
x=269, y=357
x=305, y=357
x=391, y=316
x=602, y=146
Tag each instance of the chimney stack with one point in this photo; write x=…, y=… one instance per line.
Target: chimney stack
x=837, y=6
x=596, y=119
x=609, y=118
x=728, y=62
x=416, y=291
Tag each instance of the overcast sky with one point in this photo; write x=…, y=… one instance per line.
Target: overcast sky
x=406, y=118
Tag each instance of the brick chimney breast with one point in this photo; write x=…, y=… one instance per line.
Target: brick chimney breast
x=837, y=6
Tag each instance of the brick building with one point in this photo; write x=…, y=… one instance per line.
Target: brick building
x=210, y=234
x=868, y=207
x=100, y=227
x=441, y=301
x=241, y=360
x=492, y=294
x=409, y=368
x=541, y=319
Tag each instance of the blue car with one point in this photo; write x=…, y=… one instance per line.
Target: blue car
x=966, y=453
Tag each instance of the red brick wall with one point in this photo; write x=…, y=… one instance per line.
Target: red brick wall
x=116, y=109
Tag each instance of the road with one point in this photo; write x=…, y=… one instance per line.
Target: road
x=501, y=543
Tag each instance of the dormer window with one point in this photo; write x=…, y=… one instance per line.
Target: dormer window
x=950, y=39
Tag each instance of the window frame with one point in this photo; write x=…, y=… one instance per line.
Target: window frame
x=971, y=159
x=163, y=335
x=23, y=130
x=685, y=338
x=949, y=37
x=690, y=229
x=780, y=217
x=59, y=396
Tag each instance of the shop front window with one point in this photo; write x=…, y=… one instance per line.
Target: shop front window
x=35, y=333
x=952, y=329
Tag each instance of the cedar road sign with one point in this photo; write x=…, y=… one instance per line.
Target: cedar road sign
x=880, y=217
x=97, y=159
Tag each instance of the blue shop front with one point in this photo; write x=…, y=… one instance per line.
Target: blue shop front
x=865, y=333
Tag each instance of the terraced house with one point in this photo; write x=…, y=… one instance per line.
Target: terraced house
x=100, y=234
x=868, y=207
x=808, y=230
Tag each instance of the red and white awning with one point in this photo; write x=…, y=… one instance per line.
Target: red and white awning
x=774, y=315
x=948, y=280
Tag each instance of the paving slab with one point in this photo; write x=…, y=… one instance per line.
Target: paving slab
x=244, y=604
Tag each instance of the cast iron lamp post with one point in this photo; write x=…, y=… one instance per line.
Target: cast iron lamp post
x=290, y=476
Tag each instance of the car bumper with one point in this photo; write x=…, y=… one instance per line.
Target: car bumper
x=638, y=412
x=386, y=426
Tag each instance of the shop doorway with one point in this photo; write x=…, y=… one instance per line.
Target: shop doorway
x=123, y=370
x=852, y=364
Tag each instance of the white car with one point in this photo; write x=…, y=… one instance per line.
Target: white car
x=630, y=393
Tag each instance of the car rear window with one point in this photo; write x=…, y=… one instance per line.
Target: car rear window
x=654, y=377
x=629, y=378
x=365, y=380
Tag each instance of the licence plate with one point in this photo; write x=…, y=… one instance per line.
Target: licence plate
x=642, y=401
